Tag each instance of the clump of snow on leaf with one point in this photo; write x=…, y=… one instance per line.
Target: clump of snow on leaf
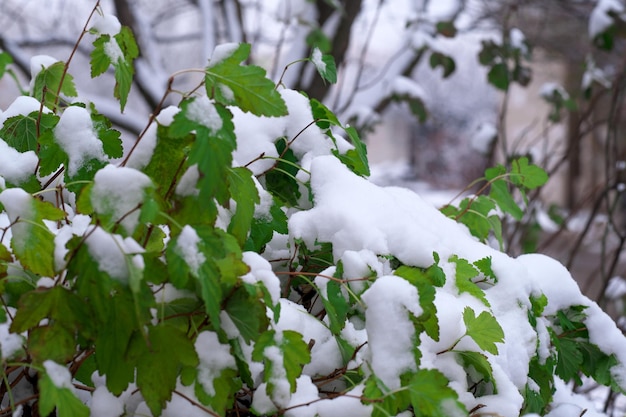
x=214, y=357
x=221, y=52
x=111, y=251
x=22, y=105
x=119, y=191
x=202, y=111
x=187, y=247
x=60, y=375
x=106, y=24
x=76, y=135
x=601, y=20
x=15, y=166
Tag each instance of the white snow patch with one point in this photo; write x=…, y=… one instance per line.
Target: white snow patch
x=405, y=86
x=21, y=106
x=316, y=57
x=483, y=138
x=186, y=186
x=389, y=328
x=202, y=111
x=119, y=191
x=600, y=20
x=261, y=271
x=16, y=166
x=214, y=358
x=106, y=24
x=222, y=52
x=110, y=251
x=10, y=343
x=76, y=135
x=187, y=247
x=166, y=116
x=550, y=89
x=59, y=374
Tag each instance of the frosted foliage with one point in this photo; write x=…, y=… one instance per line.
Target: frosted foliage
x=113, y=51
x=316, y=57
x=600, y=19
x=10, y=343
x=15, y=166
x=18, y=204
x=214, y=357
x=37, y=64
x=119, y=191
x=222, y=52
x=261, y=271
x=187, y=247
x=483, y=138
x=390, y=331
x=202, y=111
x=76, y=135
x=60, y=375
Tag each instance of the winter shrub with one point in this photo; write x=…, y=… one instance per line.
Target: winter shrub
x=236, y=261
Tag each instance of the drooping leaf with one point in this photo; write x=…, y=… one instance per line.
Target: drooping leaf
x=244, y=86
x=243, y=190
x=110, y=138
x=484, y=330
x=499, y=76
x=527, y=175
x=437, y=59
x=484, y=266
x=355, y=159
x=325, y=65
x=263, y=229
x=502, y=196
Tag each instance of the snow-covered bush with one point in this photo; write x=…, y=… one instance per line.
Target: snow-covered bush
x=236, y=261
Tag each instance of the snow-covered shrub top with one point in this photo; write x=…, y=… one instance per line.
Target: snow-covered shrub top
x=238, y=261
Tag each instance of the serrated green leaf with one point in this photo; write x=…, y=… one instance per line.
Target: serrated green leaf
x=52, y=342
x=100, y=60
x=246, y=87
x=226, y=385
x=20, y=132
x=48, y=83
x=355, y=159
x=322, y=115
x=431, y=396
x=479, y=362
x=484, y=266
x=527, y=175
x=280, y=181
x=318, y=39
x=51, y=155
x=248, y=314
x=263, y=229
x=61, y=399
x=484, y=330
x=569, y=359
x=295, y=355
x=159, y=363
x=336, y=307
x=423, y=281
x=32, y=242
x=243, y=190
x=464, y=274
x=325, y=65
x=502, y=196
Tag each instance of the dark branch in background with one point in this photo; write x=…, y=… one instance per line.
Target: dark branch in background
x=340, y=41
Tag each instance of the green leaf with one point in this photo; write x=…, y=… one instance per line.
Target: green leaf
x=322, y=115
x=355, y=159
x=431, y=396
x=498, y=76
x=464, y=275
x=48, y=83
x=484, y=330
x=159, y=363
x=527, y=175
x=424, y=282
x=120, y=52
x=248, y=314
x=484, y=266
x=480, y=364
x=318, y=39
x=21, y=132
x=280, y=181
x=243, y=190
x=246, y=87
x=51, y=154
x=226, y=385
x=295, y=355
x=32, y=242
x=502, y=196
x=110, y=138
x=66, y=403
x=336, y=307
x=569, y=359
x=325, y=65
x=437, y=59
x=5, y=60
x=263, y=229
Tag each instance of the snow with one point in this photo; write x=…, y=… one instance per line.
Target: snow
x=111, y=251
x=316, y=58
x=404, y=86
x=76, y=135
x=390, y=331
x=15, y=166
x=113, y=51
x=261, y=271
x=60, y=375
x=600, y=20
x=106, y=24
x=550, y=89
x=518, y=40
x=187, y=247
x=22, y=105
x=202, y=111
x=18, y=204
x=105, y=404
x=10, y=343
x=119, y=191
x=221, y=52
x=37, y=64
x=214, y=358
x=443, y=11
x=483, y=138
x=187, y=184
